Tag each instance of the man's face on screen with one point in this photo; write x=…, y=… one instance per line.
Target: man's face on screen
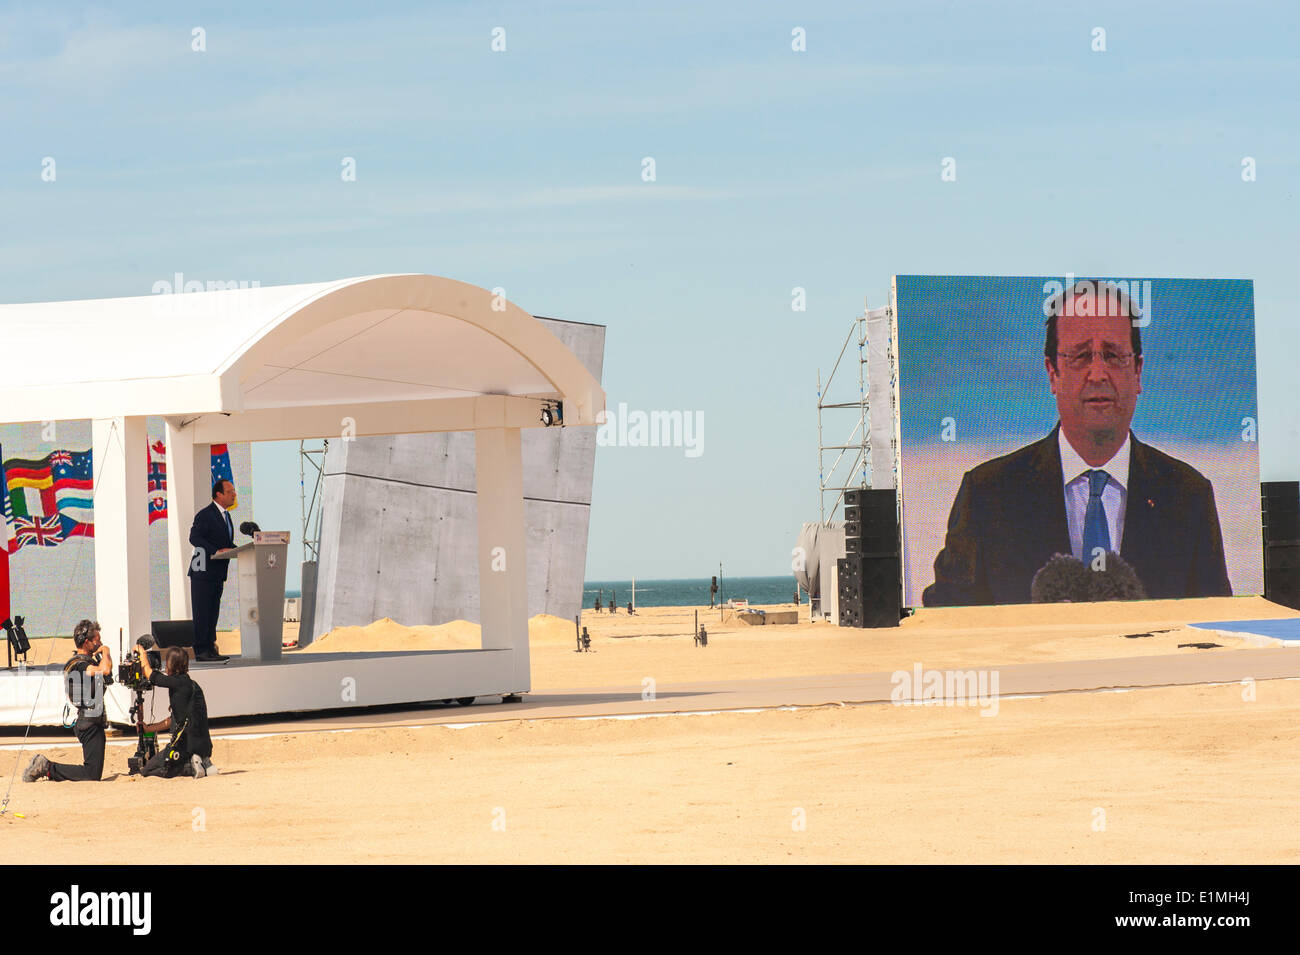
x=1095, y=377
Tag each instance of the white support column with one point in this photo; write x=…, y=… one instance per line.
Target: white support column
x=121, y=529
x=502, y=561
x=189, y=469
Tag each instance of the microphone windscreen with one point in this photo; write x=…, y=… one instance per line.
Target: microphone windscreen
x=1063, y=579
x=1115, y=580
x=248, y=528
x=1067, y=579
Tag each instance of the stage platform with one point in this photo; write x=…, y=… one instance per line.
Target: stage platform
x=1285, y=629
x=298, y=682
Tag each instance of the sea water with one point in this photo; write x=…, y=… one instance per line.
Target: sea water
x=690, y=592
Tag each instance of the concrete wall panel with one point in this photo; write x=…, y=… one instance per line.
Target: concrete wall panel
x=399, y=519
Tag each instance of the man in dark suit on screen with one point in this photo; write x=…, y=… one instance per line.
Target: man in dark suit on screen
x=1089, y=487
x=213, y=531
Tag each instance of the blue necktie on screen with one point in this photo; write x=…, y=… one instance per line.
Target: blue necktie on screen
x=230, y=527
x=1096, y=532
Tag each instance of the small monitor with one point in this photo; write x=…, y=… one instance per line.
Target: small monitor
x=173, y=633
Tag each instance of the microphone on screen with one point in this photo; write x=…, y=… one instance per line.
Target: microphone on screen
x=1066, y=579
x=248, y=528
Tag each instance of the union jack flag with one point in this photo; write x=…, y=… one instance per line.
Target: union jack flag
x=61, y=457
x=41, y=531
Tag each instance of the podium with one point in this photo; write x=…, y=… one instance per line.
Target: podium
x=261, y=564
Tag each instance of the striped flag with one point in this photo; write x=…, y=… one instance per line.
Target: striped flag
x=31, y=487
x=8, y=540
x=7, y=534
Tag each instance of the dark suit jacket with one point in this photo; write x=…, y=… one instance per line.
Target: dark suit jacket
x=209, y=532
x=1008, y=519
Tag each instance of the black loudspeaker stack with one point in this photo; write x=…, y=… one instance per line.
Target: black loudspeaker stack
x=1280, y=510
x=870, y=576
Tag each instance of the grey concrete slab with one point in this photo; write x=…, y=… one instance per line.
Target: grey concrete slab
x=399, y=519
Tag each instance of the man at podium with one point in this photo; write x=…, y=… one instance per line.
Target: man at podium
x=212, y=533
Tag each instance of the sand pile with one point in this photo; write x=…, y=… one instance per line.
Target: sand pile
x=388, y=634
x=548, y=629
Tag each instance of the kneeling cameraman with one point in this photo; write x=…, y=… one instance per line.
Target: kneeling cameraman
x=189, y=753
x=85, y=677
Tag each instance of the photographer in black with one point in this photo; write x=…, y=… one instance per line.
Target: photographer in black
x=190, y=751
x=85, y=676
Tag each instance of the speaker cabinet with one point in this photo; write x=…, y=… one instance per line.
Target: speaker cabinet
x=871, y=522
x=1282, y=574
x=870, y=591
x=1280, y=511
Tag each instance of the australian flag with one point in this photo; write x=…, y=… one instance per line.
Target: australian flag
x=73, y=484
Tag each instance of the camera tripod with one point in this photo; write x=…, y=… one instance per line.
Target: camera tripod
x=146, y=743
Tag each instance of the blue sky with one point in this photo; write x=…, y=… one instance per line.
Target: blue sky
x=775, y=169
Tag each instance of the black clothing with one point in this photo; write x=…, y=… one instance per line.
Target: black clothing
x=211, y=531
x=187, y=703
x=160, y=765
x=205, y=599
x=90, y=732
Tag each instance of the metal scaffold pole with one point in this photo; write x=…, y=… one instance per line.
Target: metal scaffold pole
x=311, y=468
x=859, y=439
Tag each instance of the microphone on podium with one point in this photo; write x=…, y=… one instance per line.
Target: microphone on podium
x=248, y=528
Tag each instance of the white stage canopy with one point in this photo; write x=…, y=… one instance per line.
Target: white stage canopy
x=378, y=355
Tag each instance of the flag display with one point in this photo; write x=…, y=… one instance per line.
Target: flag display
x=157, y=481
x=49, y=500
x=8, y=540
x=7, y=533
x=221, y=463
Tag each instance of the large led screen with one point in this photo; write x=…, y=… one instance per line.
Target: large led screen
x=1077, y=438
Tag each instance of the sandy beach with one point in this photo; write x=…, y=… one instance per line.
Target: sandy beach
x=1171, y=774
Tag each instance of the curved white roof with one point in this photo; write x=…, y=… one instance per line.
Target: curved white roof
x=377, y=340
